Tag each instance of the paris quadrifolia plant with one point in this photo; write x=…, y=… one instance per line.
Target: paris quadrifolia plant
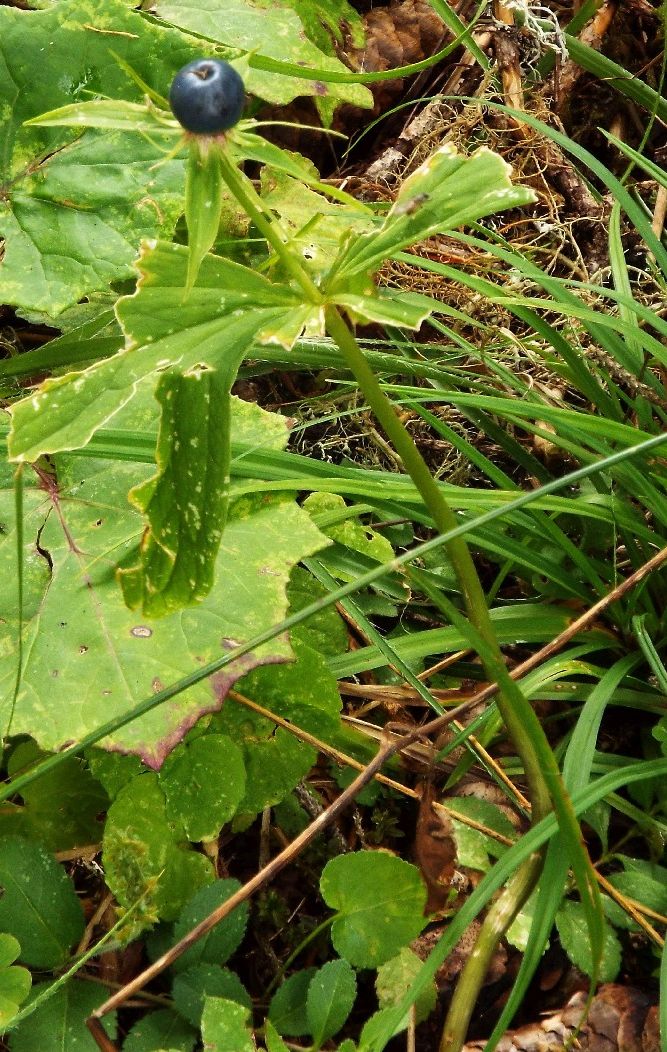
x=198, y=311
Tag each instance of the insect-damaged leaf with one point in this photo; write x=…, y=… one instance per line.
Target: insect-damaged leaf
x=186, y=502
x=87, y=658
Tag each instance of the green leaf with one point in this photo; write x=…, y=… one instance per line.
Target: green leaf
x=641, y=881
x=225, y=311
x=380, y=901
x=395, y=977
x=61, y=808
x=272, y=30
x=274, y=1042
x=324, y=632
x=472, y=846
x=315, y=224
x=158, y=1030
x=192, y=988
x=287, y=1010
x=113, y=770
x=203, y=782
x=92, y=198
x=324, y=19
x=108, y=114
x=305, y=693
x=203, y=202
x=186, y=502
x=380, y=1027
x=350, y=531
x=38, y=904
x=330, y=998
x=108, y=658
x=224, y=1026
x=145, y=856
x=445, y=192
x=408, y=309
x=224, y=940
x=275, y=761
x=59, y=1024
x=575, y=940
x=15, y=982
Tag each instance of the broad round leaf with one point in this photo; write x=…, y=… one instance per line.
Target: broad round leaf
x=380, y=902
x=203, y=782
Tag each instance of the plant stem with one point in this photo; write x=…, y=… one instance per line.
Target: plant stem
x=518, y=716
x=245, y=194
x=497, y=921
x=521, y=722
x=441, y=513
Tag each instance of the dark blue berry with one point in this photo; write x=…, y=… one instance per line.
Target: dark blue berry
x=207, y=96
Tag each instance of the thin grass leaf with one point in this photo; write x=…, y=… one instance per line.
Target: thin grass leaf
x=626, y=84
x=576, y=774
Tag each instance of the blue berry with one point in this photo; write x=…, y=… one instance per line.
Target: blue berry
x=207, y=96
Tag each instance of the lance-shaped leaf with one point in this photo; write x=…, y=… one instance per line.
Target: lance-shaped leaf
x=109, y=114
x=203, y=203
x=389, y=308
x=217, y=323
x=445, y=192
x=186, y=501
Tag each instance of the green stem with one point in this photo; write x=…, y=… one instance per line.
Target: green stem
x=441, y=513
x=445, y=520
x=245, y=194
x=497, y=921
x=520, y=721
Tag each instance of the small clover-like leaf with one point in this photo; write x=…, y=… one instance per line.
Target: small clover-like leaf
x=575, y=940
x=194, y=986
x=287, y=1010
x=224, y=1026
x=224, y=939
x=396, y=976
x=163, y=1029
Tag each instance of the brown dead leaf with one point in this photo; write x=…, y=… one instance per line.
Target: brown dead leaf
x=620, y=1020
x=435, y=849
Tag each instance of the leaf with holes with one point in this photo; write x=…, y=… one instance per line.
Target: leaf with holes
x=87, y=657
